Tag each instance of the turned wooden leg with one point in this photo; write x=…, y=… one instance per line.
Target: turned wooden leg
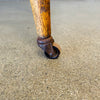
x=41, y=13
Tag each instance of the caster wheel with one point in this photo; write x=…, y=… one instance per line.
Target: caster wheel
x=57, y=53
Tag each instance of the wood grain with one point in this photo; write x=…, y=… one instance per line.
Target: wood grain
x=41, y=13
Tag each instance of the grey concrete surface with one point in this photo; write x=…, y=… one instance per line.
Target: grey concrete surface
x=26, y=74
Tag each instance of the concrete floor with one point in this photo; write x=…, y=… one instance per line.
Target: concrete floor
x=26, y=74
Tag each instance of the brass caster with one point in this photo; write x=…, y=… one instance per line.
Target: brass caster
x=52, y=52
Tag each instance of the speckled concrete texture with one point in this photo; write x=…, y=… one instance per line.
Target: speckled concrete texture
x=26, y=74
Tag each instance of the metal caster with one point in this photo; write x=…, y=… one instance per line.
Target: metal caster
x=51, y=51
x=57, y=53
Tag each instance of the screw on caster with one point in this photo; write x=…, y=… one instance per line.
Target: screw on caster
x=52, y=52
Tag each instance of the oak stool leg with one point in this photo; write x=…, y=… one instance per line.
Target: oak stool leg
x=41, y=13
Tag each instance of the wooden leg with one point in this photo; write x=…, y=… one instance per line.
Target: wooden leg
x=41, y=13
